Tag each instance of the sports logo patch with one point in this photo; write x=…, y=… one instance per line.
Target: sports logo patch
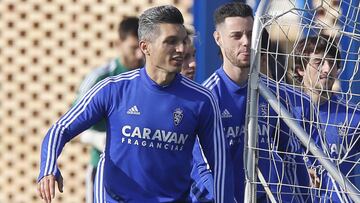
x=263, y=108
x=342, y=129
x=178, y=115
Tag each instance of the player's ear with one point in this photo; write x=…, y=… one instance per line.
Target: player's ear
x=144, y=47
x=217, y=37
x=299, y=70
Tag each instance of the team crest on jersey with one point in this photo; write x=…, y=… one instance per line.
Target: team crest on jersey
x=178, y=116
x=342, y=127
x=263, y=107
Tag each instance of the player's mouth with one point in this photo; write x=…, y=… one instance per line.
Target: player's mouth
x=324, y=77
x=177, y=60
x=244, y=56
x=244, y=53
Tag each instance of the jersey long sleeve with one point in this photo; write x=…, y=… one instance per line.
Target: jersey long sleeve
x=151, y=131
x=112, y=68
x=87, y=111
x=202, y=188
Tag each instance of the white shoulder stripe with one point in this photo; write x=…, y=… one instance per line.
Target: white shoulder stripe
x=209, y=78
x=212, y=79
x=99, y=86
x=214, y=84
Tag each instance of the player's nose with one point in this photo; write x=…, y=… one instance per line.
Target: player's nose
x=326, y=67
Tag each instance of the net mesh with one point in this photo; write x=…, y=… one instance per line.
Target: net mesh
x=309, y=61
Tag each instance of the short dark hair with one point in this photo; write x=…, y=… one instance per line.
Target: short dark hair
x=151, y=17
x=233, y=9
x=316, y=44
x=128, y=27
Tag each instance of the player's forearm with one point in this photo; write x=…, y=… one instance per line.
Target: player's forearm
x=80, y=117
x=51, y=148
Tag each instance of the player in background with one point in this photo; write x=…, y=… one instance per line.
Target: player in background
x=129, y=57
x=317, y=64
x=148, y=151
x=234, y=24
x=189, y=67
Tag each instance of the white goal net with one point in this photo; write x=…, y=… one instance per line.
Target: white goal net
x=307, y=54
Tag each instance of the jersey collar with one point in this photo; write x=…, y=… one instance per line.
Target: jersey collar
x=154, y=86
x=231, y=85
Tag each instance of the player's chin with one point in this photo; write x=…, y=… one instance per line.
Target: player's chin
x=190, y=75
x=243, y=64
x=244, y=58
x=175, y=67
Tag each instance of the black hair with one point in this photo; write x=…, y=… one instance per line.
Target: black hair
x=128, y=27
x=150, y=18
x=233, y=9
x=315, y=44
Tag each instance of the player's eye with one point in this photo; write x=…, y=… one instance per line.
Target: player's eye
x=237, y=35
x=316, y=62
x=171, y=41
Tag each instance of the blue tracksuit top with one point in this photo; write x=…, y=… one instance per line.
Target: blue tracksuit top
x=151, y=132
x=273, y=134
x=338, y=136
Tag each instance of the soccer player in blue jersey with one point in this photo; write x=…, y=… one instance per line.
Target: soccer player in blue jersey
x=129, y=57
x=317, y=62
x=188, y=70
x=153, y=116
x=189, y=66
x=234, y=24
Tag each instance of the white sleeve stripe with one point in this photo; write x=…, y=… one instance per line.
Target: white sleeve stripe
x=219, y=142
x=203, y=155
x=52, y=151
x=210, y=84
x=99, y=189
x=216, y=142
x=69, y=117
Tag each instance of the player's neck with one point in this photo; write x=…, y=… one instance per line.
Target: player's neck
x=317, y=96
x=239, y=75
x=160, y=76
x=124, y=62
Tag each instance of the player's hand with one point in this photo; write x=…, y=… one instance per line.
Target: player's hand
x=315, y=180
x=46, y=187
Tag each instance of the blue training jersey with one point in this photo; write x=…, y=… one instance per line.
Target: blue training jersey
x=338, y=136
x=273, y=135
x=151, y=132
